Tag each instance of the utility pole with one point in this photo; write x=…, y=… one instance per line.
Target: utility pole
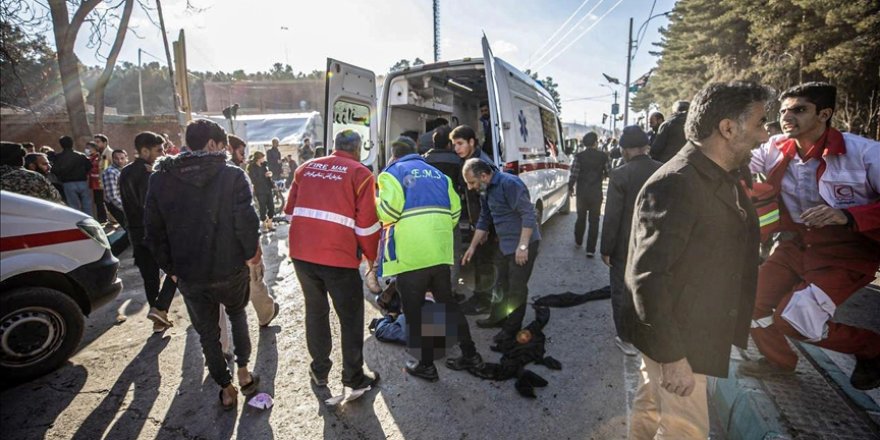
x=629, y=48
x=436, y=30
x=170, y=67
x=141, y=80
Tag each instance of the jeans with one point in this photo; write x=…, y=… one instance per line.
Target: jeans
x=515, y=289
x=78, y=196
x=412, y=287
x=588, y=205
x=149, y=268
x=345, y=288
x=203, y=302
x=100, y=207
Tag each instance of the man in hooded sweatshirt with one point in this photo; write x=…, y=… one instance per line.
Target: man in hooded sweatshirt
x=203, y=230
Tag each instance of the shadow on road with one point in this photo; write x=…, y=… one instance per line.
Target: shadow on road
x=142, y=373
x=253, y=422
x=31, y=409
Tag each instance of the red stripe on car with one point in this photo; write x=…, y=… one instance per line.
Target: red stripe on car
x=41, y=239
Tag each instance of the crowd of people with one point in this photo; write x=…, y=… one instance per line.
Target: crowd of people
x=685, y=216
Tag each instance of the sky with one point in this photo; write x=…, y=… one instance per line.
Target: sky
x=253, y=35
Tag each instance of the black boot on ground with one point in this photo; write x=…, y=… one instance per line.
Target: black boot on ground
x=866, y=376
x=464, y=362
x=427, y=372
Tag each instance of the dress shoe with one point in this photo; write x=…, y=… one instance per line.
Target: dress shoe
x=866, y=376
x=464, y=362
x=490, y=322
x=762, y=368
x=427, y=372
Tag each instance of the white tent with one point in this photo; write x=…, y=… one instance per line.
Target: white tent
x=289, y=128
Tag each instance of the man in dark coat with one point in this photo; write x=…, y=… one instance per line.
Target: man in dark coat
x=693, y=260
x=444, y=158
x=588, y=170
x=202, y=228
x=623, y=187
x=133, y=182
x=670, y=136
x=273, y=159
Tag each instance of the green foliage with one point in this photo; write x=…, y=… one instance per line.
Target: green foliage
x=28, y=71
x=779, y=43
x=406, y=64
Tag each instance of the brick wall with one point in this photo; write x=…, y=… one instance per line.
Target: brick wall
x=120, y=129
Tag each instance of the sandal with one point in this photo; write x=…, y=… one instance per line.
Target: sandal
x=225, y=406
x=251, y=387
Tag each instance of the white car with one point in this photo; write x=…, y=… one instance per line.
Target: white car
x=55, y=267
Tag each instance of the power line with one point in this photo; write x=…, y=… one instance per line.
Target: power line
x=558, y=30
x=572, y=29
x=575, y=40
x=645, y=31
x=589, y=98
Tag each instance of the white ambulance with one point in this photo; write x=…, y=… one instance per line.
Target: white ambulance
x=55, y=267
x=525, y=129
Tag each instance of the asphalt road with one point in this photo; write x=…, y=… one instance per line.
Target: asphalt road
x=126, y=382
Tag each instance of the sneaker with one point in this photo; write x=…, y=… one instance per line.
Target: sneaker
x=762, y=368
x=158, y=327
x=367, y=382
x=866, y=375
x=627, y=348
x=318, y=381
x=159, y=316
x=591, y=254
x=274, y=315
x=464, y=362
x=427, y=372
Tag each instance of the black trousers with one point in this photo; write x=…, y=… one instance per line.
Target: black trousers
x=267, y=206
x=203, y=302
x=588, y=206
x=100, y=209
x=345, y=288
x=486, y=259
x=149, y=268
x=622, y=307
x=412, y=287
x=514, y=281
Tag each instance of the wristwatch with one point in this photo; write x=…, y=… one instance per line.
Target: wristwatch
x=523, y=247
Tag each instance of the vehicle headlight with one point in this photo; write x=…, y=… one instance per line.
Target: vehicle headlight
x=94, y=230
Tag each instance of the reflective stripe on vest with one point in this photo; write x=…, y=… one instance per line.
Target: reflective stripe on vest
x=333, y=217
x=769, y=218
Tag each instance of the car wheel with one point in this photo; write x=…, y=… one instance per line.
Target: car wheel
x=40, y=328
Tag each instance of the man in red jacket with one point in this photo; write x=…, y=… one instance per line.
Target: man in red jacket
x=829, y=246
x=333, y=225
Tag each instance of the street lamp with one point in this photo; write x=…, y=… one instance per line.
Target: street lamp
x=629, y=57
x=615, y=108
